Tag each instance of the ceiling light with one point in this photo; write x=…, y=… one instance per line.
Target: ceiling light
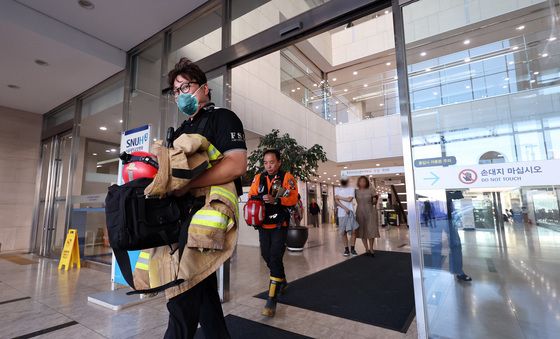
x=545, y=55
x=515, y=48
x=155, y=139
x=334, y=118
x=113, y=150
x=103, y=128
x=99, y=166
x=511, y=63
x=504, y=86
x=336, y=102
x=466, y=42
x=324, y=181
x=365, y=85
x=467, y=86
x=345, y=90
x=293, y=90
x=298, y=88
x=435, y=93
x=314, y=85
x=312, y=98
x=41, y=62
x=319, y=176
x=386, y=12
x=552, y=38
x=333, y=79
x=345, y=167
x=86, y=4
x=381, y=104
x=334, y=175
x=322, y=81
x=535, y=73
x=519, y=28
x=316, y=107
x=378, y=165
x=108, y=150
x=398, y=174
x=120, y=121
x=388, y=64
x=12, y=86
x=467, y=59
x=428, y=69
x=423, y=54
x=324, y=172
x=506, y=79
x=93, y=153
x=355, y=72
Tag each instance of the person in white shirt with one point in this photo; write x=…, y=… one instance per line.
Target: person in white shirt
x=347, y=223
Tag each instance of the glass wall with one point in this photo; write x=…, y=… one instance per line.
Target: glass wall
x=484, y=90
x=145, y=89
x=250, y=17
x=198, y=38
x=97, y=167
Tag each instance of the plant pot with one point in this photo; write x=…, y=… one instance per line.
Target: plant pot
x=297, y=237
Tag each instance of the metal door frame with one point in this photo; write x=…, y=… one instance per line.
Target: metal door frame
x=45, y=229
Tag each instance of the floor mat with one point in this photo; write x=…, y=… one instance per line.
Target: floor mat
x=16, y=259
x=241, y=328
x=373, y=290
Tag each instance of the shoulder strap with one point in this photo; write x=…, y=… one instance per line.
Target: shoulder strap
x=208, y=109
x=263, y=183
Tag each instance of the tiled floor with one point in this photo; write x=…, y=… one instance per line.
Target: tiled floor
x=59, y=297
x=513, y=294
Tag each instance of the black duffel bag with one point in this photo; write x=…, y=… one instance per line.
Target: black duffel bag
x=136, y=222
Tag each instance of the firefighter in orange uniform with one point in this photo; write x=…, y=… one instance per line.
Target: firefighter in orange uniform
x=279, y=192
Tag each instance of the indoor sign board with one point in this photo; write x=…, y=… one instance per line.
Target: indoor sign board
x=514, y=174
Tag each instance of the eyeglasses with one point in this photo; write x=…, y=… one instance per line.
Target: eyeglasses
x=184, y=88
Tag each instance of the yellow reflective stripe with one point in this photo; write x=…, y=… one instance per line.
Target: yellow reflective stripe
x=213, y=224
x=144, y=255
x=210, y=218
x=224, y=193
x=276, y=279
x=142, y=266
x=213, y=153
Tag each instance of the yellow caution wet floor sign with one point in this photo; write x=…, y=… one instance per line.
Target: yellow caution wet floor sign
x=71, y=252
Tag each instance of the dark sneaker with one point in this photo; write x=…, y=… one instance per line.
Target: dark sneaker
x=346, y=252
x=354, y=253
x=463, y=277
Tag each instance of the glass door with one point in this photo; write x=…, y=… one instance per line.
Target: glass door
x=478, y=81
x=51, y=223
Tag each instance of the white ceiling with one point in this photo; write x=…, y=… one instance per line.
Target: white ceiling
x=82, y=47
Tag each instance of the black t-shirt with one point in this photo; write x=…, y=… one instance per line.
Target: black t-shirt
x=220, y=126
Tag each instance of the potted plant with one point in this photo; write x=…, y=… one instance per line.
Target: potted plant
x=302, y=162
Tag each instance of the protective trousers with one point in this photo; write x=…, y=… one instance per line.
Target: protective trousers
x=273, y=246
x=199, y=304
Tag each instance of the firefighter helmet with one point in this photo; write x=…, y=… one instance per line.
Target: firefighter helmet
x=138, y=165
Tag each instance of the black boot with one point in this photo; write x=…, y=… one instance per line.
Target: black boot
x=274, y=288
x=283, y=286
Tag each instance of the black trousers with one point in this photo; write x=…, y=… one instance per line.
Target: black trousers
x=273, y=246
x=199, y=304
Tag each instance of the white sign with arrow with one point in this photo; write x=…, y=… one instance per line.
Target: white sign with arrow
x=515, y=174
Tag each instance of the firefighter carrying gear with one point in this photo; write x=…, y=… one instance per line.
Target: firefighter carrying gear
x=212, y=233
x=276, y=214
